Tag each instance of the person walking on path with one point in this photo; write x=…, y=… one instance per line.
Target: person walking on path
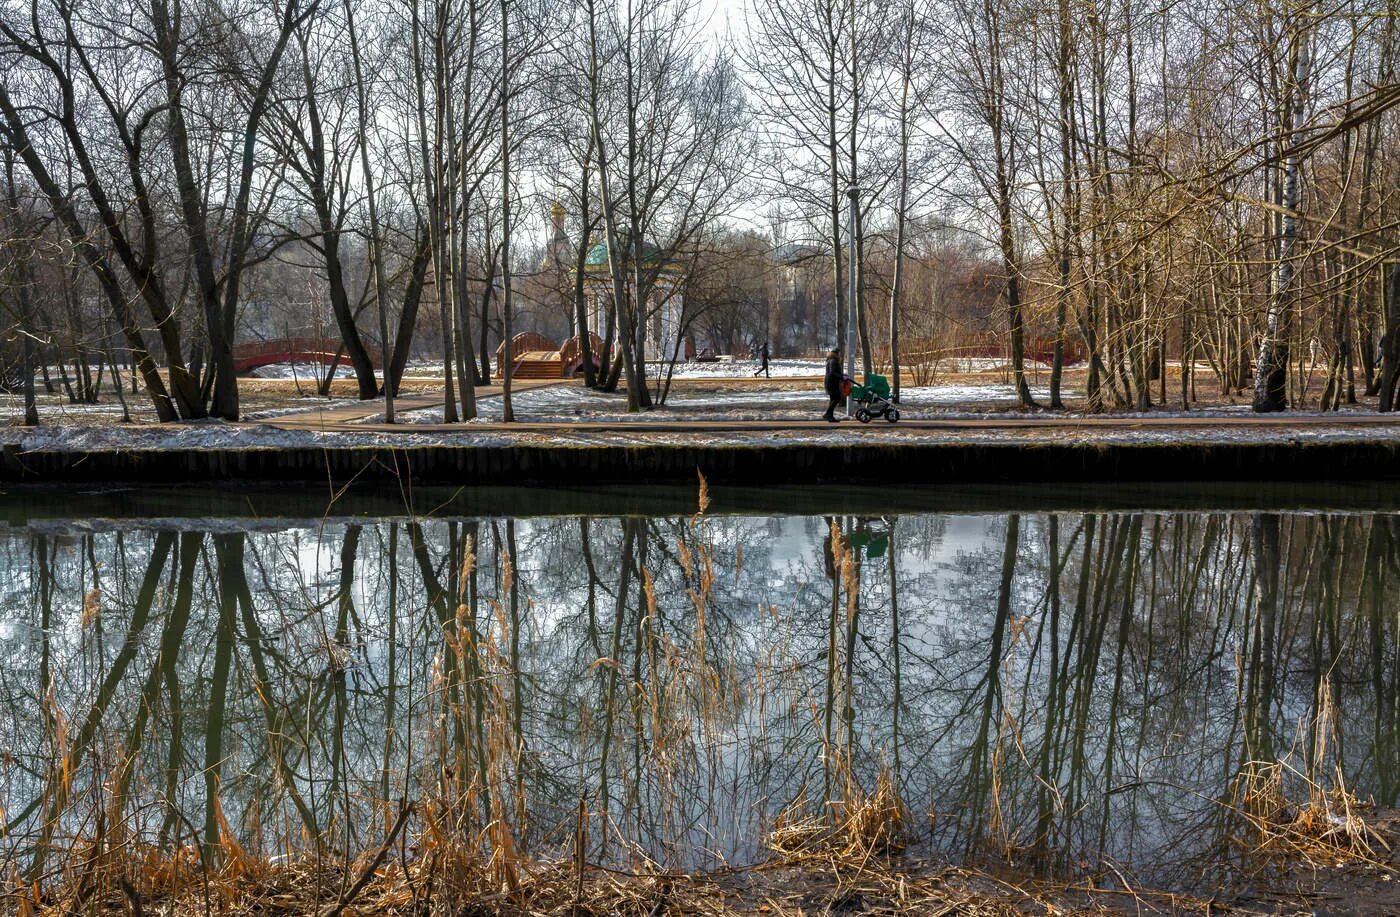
x=763, y=362
x=834, y=383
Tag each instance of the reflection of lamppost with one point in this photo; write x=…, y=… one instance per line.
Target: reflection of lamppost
x=853, y=192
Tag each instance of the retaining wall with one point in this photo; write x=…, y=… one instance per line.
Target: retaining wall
x=788, y=463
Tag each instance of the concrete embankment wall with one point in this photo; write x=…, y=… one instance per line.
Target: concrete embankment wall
x=874, y=463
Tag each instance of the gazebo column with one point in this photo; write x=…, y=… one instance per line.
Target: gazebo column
x=599, y=298
x=657, y=327
x=671, y=313
x=592, y=314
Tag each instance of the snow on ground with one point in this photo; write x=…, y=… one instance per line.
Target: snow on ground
x=211, y=434
x=432, y=369
x=301, y=406
x=724, y=368
x=57, y=409
x=305, y=371
x=564, y=403
x=737, y=368
x=851, y=433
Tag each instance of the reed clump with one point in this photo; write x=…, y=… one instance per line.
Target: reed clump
x=1307, y=816
x=438, y=881
x=1322, y=826
x=459, y=879
x=860, y=825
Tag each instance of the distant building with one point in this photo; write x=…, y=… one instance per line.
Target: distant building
x=665, y=306
x=661, y=331
x=805, y=319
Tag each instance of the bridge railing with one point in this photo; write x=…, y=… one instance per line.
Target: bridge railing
x=297, y=347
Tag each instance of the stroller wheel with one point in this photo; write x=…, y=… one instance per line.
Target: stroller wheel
x=892, y=415
x=863, y=415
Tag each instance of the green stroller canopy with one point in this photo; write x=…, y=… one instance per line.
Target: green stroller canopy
x=877, y=385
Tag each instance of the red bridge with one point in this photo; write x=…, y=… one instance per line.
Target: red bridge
x=321, y=351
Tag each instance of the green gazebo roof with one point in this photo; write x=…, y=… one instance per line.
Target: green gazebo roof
x=598, y=255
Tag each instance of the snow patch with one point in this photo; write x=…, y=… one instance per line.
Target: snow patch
x=566, y=403
x=302, y=406
x=307, y=371
x=218, y=435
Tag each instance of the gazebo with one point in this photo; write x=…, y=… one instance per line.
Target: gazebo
x=662, y=312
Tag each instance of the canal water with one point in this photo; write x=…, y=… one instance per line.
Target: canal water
x=1075, y=676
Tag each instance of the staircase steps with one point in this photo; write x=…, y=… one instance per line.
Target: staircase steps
x=539, y=364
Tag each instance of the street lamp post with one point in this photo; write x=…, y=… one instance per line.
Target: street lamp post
x=853, y=192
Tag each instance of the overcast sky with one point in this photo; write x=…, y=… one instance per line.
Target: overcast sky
x=723, y=14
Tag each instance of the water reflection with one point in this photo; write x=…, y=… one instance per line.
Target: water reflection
x=1055, y=686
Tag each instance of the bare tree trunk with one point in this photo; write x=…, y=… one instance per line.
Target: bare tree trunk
x=835, y=192
x=1271, y=374
x=901, y=214
x=218, y=318
x=167, y=409
x=1390, y=341
x=376, y=248
x=862, y=326
x=636, y=385
x=22, y=287
x=408, y=315
x=434, y=181
x=482, y=374
x=585, y=343
x=1068, y=219
x=316, y=170
x=996, y=116
x=466, y=373
x=508, y=369
x=459, y=200
x=634, y=310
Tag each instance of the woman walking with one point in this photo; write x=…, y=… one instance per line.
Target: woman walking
x=834, y=383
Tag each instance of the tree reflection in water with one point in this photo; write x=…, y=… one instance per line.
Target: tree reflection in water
x=1054, y=687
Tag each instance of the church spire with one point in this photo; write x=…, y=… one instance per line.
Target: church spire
x=557, y=250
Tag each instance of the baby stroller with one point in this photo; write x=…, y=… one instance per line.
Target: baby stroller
x=873, y=399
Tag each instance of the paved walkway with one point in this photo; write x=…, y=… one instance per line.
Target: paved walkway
x=351, y=418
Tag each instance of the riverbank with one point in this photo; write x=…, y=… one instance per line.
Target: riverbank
x=271, y=506
x=391, y=880
x=967, y=449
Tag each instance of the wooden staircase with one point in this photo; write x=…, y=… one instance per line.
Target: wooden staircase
x=539, y=364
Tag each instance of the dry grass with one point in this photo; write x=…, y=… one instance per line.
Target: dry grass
x=1309, y=816
x=1326, y=827
x=851, y=867
x=340, y=388
x=255, y=395
x=859, y=826
x=1208, y=394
